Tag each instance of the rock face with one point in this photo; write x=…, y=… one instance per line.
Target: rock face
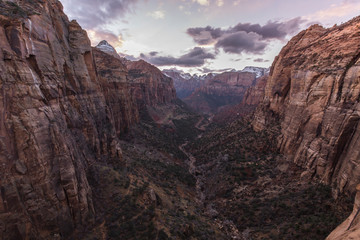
x=314, y=91
x=149, y=86
x=349, y=229
x=255, y=94
x=252, y=98
x=224, y=89
x=259, y=72
x=113, y=78
x=61, y=110
x=186, y=84
x=54, y=123
x=104, y=46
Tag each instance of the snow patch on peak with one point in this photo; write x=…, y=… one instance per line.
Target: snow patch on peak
x=259, y=71
x=186, y=76
x=105, y=47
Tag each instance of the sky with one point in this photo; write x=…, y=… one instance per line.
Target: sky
x=201, y=36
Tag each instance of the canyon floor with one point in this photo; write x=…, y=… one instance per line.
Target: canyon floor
x=184, y=176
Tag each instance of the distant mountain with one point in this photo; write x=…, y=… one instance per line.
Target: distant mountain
x=221, y=90
x=259, y=72
x=107, y=48
x=185, y=83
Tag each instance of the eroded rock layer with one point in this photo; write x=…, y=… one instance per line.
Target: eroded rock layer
x=224, y=89
x=149, y=86
x=61, y=110
x=314, y=90
x=54, y=122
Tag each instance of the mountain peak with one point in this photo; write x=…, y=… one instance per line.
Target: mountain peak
x=104, y=46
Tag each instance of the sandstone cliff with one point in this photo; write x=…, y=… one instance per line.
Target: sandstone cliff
x=54, y=122
x=224, y=89
x=112, y=75
x=314, y=91
x=255, y=94
x=252, y=98
x=350, y=228
x=104, y=46
x=149, y=86
x=186, y=84
x=61, y=111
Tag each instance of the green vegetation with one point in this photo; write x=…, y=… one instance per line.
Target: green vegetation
x=247, y=187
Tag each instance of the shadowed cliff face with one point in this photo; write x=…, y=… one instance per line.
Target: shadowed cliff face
x=148, y=85
x=59, y=114
x=314, y=88
x=252, y=98
x=54, y=122
x=224, y=89
x=113, y=78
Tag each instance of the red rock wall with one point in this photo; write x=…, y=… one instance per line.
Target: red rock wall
x=314, y=89
x=224, y=89
x=255, y=94
x=149, y=86
x=113, y=78
x=61, y=110
x=54, y=123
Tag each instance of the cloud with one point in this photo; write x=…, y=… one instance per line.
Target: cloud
x=237, y=2
x=245, y=37
x=196, y=57
x=241, y=42
x=208, y=70
x=342, y=9
x=128, y=57
x=206, y=35
x=152, y=54
x=220, y=3
x=271, y=30
x=261, y=60
x=99, y=35
x=157, y=14
x=94, y=13
x=202, y=2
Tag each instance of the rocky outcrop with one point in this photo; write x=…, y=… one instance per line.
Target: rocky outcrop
x=185, y=84
x=113, y=79
x=314, y=90
x=349, y=229
x=54, y=122
x=62, y=107
x=104, y=46
x=255, y=94
x=224, y=89
x=148, y=85
x=259, y=71
x=252, y=98
x=129, y=86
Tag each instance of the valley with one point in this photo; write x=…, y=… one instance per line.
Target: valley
x=97, y=146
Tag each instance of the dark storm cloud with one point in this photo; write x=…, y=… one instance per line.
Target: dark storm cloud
x=194, y=58
x=238, y=38
x=153, y=53
x=271, y=30
x=205, y=35
x=261, y=60
x=241, y=42
x=93, y=13
x=208, y=70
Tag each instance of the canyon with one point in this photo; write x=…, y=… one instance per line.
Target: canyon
x=94, y=146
